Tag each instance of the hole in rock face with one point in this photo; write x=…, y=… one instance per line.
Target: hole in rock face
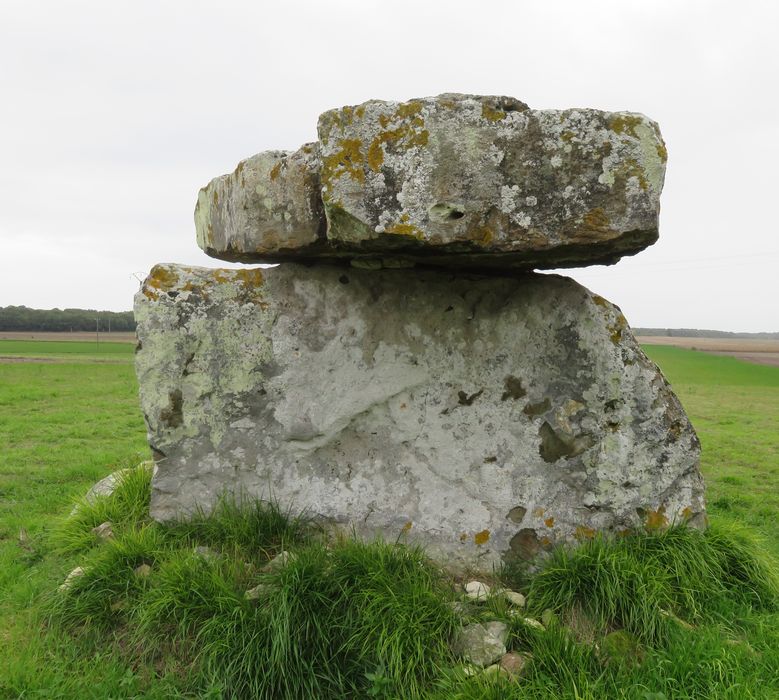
x=443, y=212
x=508, y=104
x=343, y=279
x=516, y=514
x=172, y=416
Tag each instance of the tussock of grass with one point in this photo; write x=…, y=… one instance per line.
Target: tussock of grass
x=633, y=583
x=126, y=507
x=109, y=587
x=349, y=619
x=259, y=528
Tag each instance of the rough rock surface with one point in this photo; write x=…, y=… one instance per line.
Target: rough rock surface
x=484, y=417
x=481, y=643
x=268, y=206
x=456, y=180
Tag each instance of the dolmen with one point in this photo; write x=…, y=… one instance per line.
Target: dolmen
x=405, y=372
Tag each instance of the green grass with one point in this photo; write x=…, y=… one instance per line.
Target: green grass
x=697, y=612
x=75, y=351
x=734, y=407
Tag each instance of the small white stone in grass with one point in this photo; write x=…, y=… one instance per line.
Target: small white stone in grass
x=68, y=582
x=144, y=570
x=514, y=664
x=480, y=644
x=476, y=590
x=104, y=531
x=514, y=598
x=278, y=562
x=493, y=670
x=535, y=624
x=470, y=670
x=257, y=592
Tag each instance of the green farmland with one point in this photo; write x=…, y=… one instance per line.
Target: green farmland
x=69, y=421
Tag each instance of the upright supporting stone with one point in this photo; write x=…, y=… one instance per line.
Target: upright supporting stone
x=487, y=418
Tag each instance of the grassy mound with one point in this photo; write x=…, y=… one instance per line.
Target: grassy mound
x=672, y=614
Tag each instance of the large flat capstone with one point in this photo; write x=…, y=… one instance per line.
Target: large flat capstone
x=456, y=180
x=485, y=417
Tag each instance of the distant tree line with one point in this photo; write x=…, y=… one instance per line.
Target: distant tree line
x=22, y=318
x=698, y=333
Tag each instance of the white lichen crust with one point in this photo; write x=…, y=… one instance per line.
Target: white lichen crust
x=487, y=418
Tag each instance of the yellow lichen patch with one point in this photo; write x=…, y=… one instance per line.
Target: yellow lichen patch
x=463, y=537
x=482, y=235
x=408, y=109
x=216, y=197
x=239, y=168
x=275, y=170
x=687, y=513
x=625, y=124
x=360, y=112
x=549, y=522
x=546, y=543
x=596, y=220
x=538, y=512
x=348, y=160
x=482, y=537
x=567, y=135
x=656, y=520
x=403, y=229
x=631, y=168
x=617, y=328
x=250, y=278
x=160, y=279
x=600, y=301
x=405, y=136
x=407, y=527
x=662, y=152
x=584, y=533
x=491, y=114
x=375, y=155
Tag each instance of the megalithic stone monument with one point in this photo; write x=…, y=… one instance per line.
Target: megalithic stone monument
x=404, y=372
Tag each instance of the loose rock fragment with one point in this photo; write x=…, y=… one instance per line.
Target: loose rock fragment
x=259, y=591
x=104, y=531
x=476, y=590
x=515, y=664
x=143, y=570
x=514, y=598
x=278, y=562
x=481, y=644
x=71, y=577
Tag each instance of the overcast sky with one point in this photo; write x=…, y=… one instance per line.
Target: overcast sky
x=115, y=113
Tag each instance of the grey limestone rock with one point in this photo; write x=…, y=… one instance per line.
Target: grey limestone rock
x=270, y=205
x=463, y=181
x=481, y=643
x=485, y=417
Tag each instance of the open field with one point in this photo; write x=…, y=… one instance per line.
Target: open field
x=65, y=425
x=79, y=336
x=37, y=351
x=763, y=352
